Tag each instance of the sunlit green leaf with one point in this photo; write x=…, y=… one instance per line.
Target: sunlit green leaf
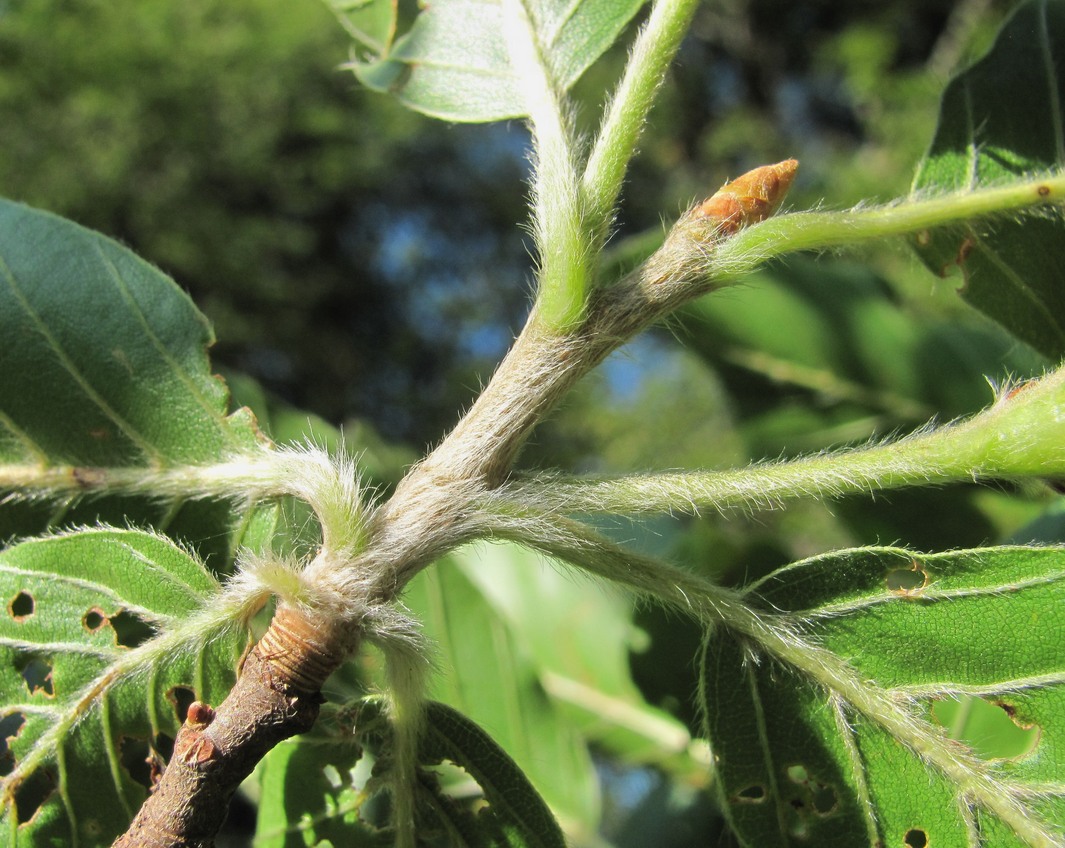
x=489, y=676
x=309, y=794
x=82, y=704
x=797, y=759
x=454, y=63
x=105, y=365
x=999, y=119
x=518, y=813
x=578, y=636
x=106, y=360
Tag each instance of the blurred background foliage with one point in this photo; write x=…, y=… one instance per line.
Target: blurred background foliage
x=367, y=266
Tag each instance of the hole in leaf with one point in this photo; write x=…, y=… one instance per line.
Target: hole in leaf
x=751, y=795
x=915, y=838
x=32, y=793
x=181, y=697
x=907, y=582
x=454, y=781
x=94, y=619
x=10, y=727
x=137, y=758
x=964, y=249
x=21, y=606
x=37, y=673
x=992, y=729
x=332, y=776
x=814, y=796
x=163, y=746
x=130, y=631
x=824, y=799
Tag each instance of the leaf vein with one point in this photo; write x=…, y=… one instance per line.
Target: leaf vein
x=858, y=772
x=58, y=648
x=1002, y=687
x=25, y=440
x=931, y=594
x=88, y=585
x=178, y=369
x=113, y=759
x=162, y=572
x=63, y=358
x=64, y=793
x=763, y=740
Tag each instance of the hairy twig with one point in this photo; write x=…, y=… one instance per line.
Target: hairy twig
x=275, y=697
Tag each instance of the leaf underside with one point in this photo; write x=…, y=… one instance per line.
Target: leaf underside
x=799, y=762
x=453, y=63
x=1002, y=118
x=104, y=367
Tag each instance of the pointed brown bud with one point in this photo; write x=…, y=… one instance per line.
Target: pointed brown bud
x=750, y=198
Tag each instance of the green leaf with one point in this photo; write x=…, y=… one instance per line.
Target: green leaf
x=853, y=362
x=454, y=64
x=518, y=811
x=578, y=639
x=487, y=674
x=322, y=785
x=539, y=657
x=370, y=23
x=105, y=366
x=1000, y=119
x=106, y=360
x=309, y=792
x=805, y=753
x=84, y=697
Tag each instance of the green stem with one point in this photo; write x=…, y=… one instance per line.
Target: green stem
x=329, y=484
x=235, y=478
x=558, y=220
x=1021, y=435
x=615, y=145
x=825, y=230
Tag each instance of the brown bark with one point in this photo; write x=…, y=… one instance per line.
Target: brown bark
x=276, y=696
